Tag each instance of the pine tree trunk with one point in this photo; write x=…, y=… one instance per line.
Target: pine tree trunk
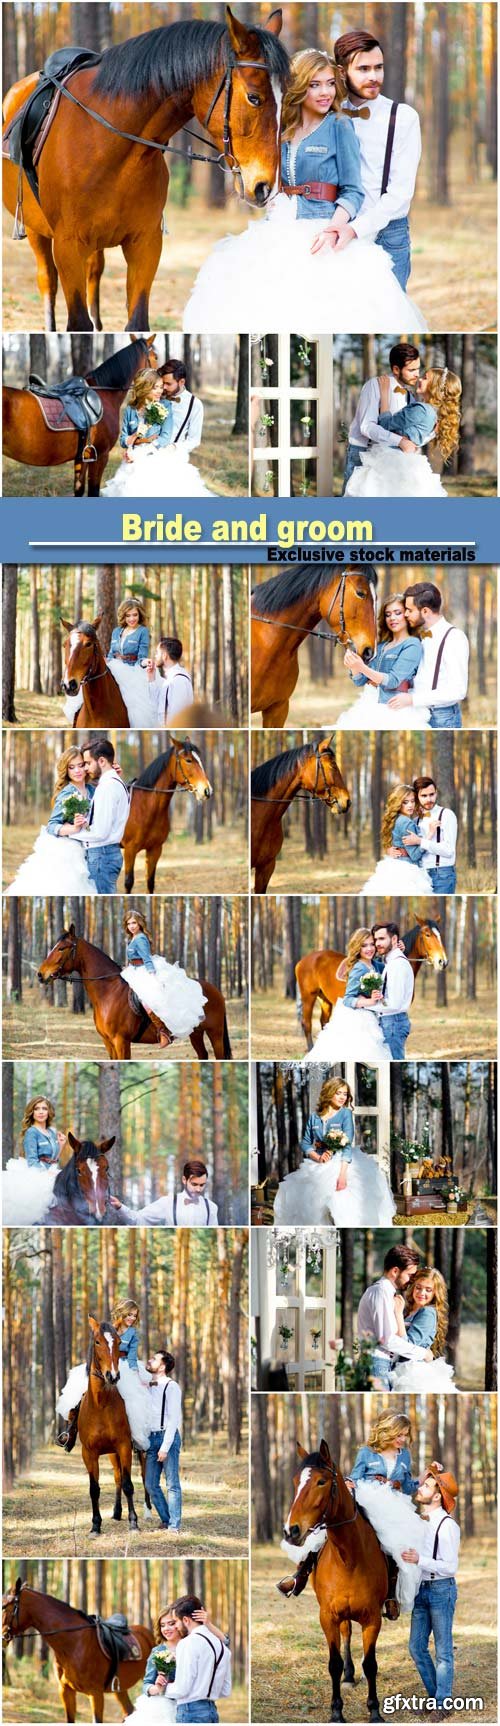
x=9, y=608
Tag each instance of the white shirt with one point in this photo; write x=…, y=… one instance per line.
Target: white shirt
x=191, y=437
x=446, y=847
x=194, y=1666
x=171, y=694
x=172, y=1419
x=376, y=1321
x=453, y=672
x=110, y=809
x=365, y=428
x=446, y=1562
x=190, y=1213
x=376, y=212
x=399, y=983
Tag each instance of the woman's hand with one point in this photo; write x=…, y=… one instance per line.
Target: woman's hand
x=342, y=1180
x=326, y=1157
x=328, y=239
x=353, y=660
x=61, y=1140
x=160, y=1685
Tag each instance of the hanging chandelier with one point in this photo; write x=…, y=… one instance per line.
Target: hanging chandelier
x=288, y=1246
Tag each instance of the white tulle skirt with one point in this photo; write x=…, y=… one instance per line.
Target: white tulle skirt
x=310, y=1194
x=268, y=279
x=430, y=1377
x=176, y=998
x=398, y=1526
x=55, y=866
x=134, y=687
x=152, y=1709
x=26, y=1192
x=370, y=714
x=133, y=1387
x=162, y=472
x=351, y=1034
x=395, y=875
x=390, y=473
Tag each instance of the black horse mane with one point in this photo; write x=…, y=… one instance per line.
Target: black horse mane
x=86, y=629
x=151, y=774
x=411, y=934
x=316, y=1460
x=177, y=56
x=117, y=372
x=301, y=583
x=269, y=773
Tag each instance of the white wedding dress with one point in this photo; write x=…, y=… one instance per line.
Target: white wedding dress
x=394, y=875
x=55, y=866
x=427, y=1377
x=165, y=471
x=397, y=1525
x=267, y=279
x=133, y=1387
x=26, y=1192
x=368, y=713
x=176, y=998
x=310, y=1195
x=133, y=684
x=150, y=1710
x=388, y=472
x=352, y=1034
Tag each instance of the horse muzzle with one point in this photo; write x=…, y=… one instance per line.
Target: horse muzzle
x=262, y=193
x=367, y=655
x=293, y=1534
x=70, y=688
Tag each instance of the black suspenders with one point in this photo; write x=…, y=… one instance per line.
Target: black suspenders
x=217, y=1660
x=389, y=149
x=185, y=421
x=207, y=1208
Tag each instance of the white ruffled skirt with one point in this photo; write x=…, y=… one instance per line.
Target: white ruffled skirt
x=351, y=1034
x=310, y=1195
x=390, y=473
x=55, y=866
x=165, y=471
x=155, y=1710
x=369, y=714
x=133, y=1387
x=134, y=687
x=429, y=1377
x=176, y=998
x=395, y=875
x=398, y=1526
x=26, y=1192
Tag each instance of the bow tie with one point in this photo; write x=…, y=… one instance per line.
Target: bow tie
x=399, y=391
x=358, y=113
x=426, y=635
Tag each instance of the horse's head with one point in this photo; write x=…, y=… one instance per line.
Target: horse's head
x=240, y=104
x=80, y=650
x=322, y=778
x=429, y=944
x=189, y=769
x=146, y=352
x=105, y=1350
x=315, y=1493
x=348, y=605
x=92, y=1173
x=12, y=1613
x=60, y=962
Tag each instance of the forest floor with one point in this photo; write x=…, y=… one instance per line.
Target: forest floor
x=317, y=704
x=48, y=1509
x=460, y=1031
x=31, y=1029
x=220, y=864
x=39, y=712
x=343, y=871
x=290, y=1659
x=29, y=1696
x=453, y=278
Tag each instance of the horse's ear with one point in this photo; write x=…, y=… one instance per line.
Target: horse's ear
x=19, y=1584
x=71, y=931
x=97, y=621
x=75, y=1143
x=327, y=743
x=238, y=33
x=324, y=1451
x=301, y=1452
x=66, y=625
x=274, y=22
x=105, y=1145
x=93, y=1324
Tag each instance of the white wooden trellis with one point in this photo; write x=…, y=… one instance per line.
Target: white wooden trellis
x=282, y=453
x=307, y=1367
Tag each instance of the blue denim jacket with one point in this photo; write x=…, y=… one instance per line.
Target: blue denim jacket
x=407, y=824
x=136, y=645
x=331, y=154
x=355, y=975
x=371, y=1462
x=422, y=1327
x=38, y=1145
x=57, y=817
x=316, y=1130
x=140, y=948
x=417, y=421
x=398, y=663
x=150, y=1674
x=130, y=422
x=129, y=1346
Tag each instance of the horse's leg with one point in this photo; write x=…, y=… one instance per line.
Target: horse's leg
x=308, y=1000
x=126, y=1462
x=152, y=860
x=120, y=1048
x=198, y=1042
x=263, y=872
x=97, y=1705
x=46, y=275
x=331, y=1629
x=95, y=268
x=95, y=472
x=67, y=1695
x=142, y=256
x=129, y=856
x=325, y=1011
x=116, y=1466
x=72, y=266
x=123, y=1700
x=276, y=714
x=92, y=1466
x=346, y=1633
x=370, y=1634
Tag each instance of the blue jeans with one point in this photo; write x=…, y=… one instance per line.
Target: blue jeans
x=433, y=1616
x=396, y=1028
x=381, y=1368
x=444, y=880
x=352, y=460
x=446, y=718
x=204, y=1710
x=395, y=239
x=169, y=1508
x=104, y=864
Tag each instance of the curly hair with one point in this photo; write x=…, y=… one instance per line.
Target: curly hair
x=386, y=1427
x=393, y=808
x=383, y=631
x=28, y=1119
x=303, y=67
x=168, y=1612
x=120, y=1310
x=130, y=604
x=141, y=390
x=354, y=947
x=443, y=393
x=439, y=1301
x=140, y=919
x=62, y=768
x=328, y=1091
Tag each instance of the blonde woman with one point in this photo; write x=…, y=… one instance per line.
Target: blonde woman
x=127, y=658
x=425, y=1322
x=394, y=666
x=57, y=864
x=174, y=1001
x=282, y=272
x=28, y=1180
x=353, y=1033
x=133, y=1383
x=337, y=1182
x=153, y=464
x=400, y=830
x=431, y=416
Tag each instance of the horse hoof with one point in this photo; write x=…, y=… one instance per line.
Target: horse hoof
x=94, y=1532
x=117, y=1516
x=133, y=1527
x=147, y=1514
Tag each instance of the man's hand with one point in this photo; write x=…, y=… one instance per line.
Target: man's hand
x=162, y=1455
x=400, y=700
x=410, y=1556
x=407, y=446
x=394, y=851
x=117, y=1203
x=412, y=839
x=344, y=239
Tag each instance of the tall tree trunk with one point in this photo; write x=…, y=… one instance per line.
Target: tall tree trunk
x=465, y=462
x=240, y=427
x=9, y=608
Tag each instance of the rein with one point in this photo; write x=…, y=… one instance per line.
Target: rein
x=321, y=634
x=306, y=796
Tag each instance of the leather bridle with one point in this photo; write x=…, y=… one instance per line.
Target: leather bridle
x=345, y=1521
x=334, y=635
x=326, y=793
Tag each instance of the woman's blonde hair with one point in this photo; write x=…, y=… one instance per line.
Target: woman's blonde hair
x=356, y=942
x=387, y=1427
x=383, y=631
x=119, y=1312
x=440, y=1301
x=140, y=919
x=141, y=388
x=62, y=768
x=129, y=604
x=303, y=68
x=393, y=808
x=443, y=393
x=328, y=1091
x=28, y=1119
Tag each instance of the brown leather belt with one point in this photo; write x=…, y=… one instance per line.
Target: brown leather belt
x=313, y=189
x=136, y=961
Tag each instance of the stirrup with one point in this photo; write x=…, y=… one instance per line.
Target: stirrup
x=89, y=452
x=286, y=1586
x=19, y=230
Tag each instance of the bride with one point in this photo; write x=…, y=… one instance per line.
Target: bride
x=425, y=1322
x=174, y=1001
x=284, y=273
x=387, y=471
x=394, y=664
x=152, y=465
x=57, y=863
x=353, y=1033
x=400, y=829
x=341, y=1185
x=154, y=1704
x=128, y=651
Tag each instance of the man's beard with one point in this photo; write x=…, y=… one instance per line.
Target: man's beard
x=351, y=91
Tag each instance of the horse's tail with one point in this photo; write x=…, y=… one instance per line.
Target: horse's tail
x=228, y=1053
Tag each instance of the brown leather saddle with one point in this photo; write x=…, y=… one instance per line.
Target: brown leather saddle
x=116, y=1642
x=24, y=136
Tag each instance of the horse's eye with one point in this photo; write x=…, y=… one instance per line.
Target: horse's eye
x=255, y=101
x=360, y=593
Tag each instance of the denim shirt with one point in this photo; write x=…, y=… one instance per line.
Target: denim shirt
x=140, y=948
x=371, y=1462
x=330, y=154
x=150, y=1674
x=57, y=818
x=130, y=421
x=316, y=1131
x=417, y=421
x=422, y=1326
x=129, y=1346
x=399, y=665
x=38, y=1144
x=407, y=824
x=353, y=981
x=136, y=645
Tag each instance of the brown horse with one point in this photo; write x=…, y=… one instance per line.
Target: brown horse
x=82, y=1667
x=115, y=1019
x=99, y=187
x=318, y=977
x=26, y=437
x=286, y=609
x=103, y=1427
x=85, y=668
x=350, y=1576
x=308, y=772
x=148, y=825
x=82, y=1187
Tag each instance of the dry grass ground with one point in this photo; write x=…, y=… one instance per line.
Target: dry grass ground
x=219, y=865
x=320, y=703
x=29, y=1696
x=31, y=1028
x=343, y=872
x=460, y=1031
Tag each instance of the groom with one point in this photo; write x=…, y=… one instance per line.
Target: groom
x=397, y=987
x=102, y=831
x=164, y=1441
x=435, y=1602
x=189, y=1208
x=170, y=685
x=377, y=1313
x=388, y=134
x=187, y=409
x=441, y=680
x=404, y=362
